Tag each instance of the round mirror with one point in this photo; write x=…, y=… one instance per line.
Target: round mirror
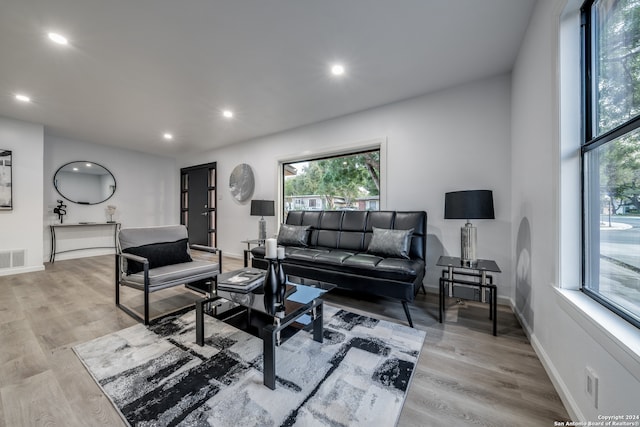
x=85, y=183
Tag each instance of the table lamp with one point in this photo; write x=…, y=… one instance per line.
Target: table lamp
x=262, y=208
x=471, y=204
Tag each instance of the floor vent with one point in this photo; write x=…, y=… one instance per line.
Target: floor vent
x=12, y=258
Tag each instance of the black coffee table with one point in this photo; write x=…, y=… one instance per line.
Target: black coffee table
x=274, y=321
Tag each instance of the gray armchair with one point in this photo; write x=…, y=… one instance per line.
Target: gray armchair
x=153, y=258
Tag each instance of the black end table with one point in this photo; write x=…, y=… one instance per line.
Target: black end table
x=474, y=276
x=247, y=252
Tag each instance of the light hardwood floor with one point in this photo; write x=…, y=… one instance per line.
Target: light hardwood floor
x=465, y=376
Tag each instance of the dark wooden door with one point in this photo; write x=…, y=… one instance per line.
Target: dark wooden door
x=197, y=206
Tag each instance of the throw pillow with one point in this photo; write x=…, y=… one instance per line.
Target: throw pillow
x=158, y=254
x=293, y=235
x=390, y=243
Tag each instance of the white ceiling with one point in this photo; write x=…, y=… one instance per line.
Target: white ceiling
x=135, y=69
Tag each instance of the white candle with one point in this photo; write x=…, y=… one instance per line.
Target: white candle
x=271, y=248
x=280, y=252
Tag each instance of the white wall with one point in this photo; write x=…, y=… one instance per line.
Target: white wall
x=21, y=228
x=457, y=139
x=146, y=194
x=560, y=323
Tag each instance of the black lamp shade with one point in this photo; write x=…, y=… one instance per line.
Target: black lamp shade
x=473, y=204
x=262, y=208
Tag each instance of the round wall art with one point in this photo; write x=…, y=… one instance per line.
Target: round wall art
x=241, y=182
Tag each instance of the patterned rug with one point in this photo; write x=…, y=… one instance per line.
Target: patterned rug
x=158, y=376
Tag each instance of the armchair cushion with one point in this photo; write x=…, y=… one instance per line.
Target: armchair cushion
x=158, y=254
x=172, y=275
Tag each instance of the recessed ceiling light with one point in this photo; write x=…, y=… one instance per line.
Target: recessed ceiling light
x=337, y=69
x=22, y=97
x=227, y=114
x=58, y=38
x=75, y=169
x=88, y=165
x=167, y=136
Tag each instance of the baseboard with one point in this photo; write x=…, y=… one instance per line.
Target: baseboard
x=561, y=388
x=20, y=270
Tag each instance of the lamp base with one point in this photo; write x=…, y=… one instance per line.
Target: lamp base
x=262, y=229
x=468, y=245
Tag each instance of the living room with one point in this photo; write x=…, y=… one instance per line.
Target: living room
x=503, y=131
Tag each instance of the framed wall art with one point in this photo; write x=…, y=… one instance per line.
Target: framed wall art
x=6, y=199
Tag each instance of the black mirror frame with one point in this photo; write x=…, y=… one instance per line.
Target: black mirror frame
x=115, y=185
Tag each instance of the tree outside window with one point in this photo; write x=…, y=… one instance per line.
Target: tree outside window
x=345, y=182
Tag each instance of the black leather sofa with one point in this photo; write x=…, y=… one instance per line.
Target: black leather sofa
x=337, y=249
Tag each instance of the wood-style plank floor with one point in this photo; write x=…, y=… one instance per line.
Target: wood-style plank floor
x=465, y=376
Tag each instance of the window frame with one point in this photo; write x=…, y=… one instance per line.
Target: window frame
x=589, y=143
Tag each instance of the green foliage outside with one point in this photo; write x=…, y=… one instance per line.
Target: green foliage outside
x=342, y=179
x=618, y=91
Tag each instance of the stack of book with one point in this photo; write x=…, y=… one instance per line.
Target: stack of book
x=242, y=281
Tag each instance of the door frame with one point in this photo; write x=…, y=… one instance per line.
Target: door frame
x=212, y=193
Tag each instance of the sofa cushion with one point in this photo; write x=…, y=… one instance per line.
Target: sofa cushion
x=397, y=269
x=336, y=257
x=390, y=243
x=293, y=235
x=380, y=219
x=337, y=264
x=158, y=254
x=305, y=254
x=351, y=240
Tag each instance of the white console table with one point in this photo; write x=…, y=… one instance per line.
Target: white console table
x=53, y=227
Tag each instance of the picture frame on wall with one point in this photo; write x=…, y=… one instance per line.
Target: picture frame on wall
x=6, y=195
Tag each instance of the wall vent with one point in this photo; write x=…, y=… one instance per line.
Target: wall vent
x=12, y=258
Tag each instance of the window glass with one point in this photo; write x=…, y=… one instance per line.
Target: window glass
x=611, y=155
x=345, y=182
x=612, y=267
x=616, y=41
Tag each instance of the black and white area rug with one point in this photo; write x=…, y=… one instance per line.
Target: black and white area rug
x=158, y=376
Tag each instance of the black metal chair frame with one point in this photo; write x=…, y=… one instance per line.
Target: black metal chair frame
x=145, y=262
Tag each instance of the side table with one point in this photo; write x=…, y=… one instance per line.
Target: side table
x=451, y=277
x=80, y=225
x=247, y=252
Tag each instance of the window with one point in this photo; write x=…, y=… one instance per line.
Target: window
x=344, y=182
x=611, y=155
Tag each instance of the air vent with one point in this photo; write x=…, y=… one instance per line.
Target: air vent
x=5, y=259
x=12, y=258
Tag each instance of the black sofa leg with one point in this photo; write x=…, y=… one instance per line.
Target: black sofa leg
x=405, y=305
